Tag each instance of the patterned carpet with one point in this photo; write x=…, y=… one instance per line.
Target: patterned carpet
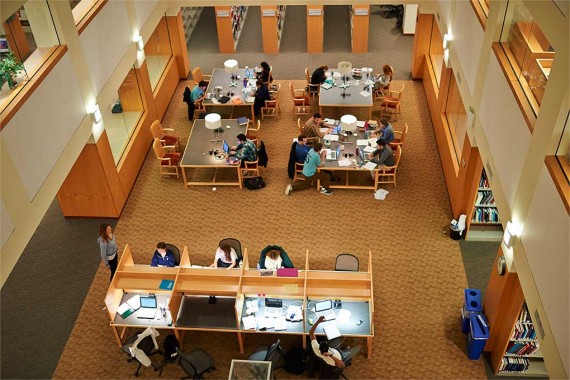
x=418, y=273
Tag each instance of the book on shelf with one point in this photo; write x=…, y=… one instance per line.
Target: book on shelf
x=514, y=365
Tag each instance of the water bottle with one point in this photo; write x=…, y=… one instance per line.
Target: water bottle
x=244, y=82
x=246, y=72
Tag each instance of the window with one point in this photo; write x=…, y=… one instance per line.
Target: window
x=27, y=39
x=122, y=116
x=528, y=51
x=563, y=151
x=456, y=118
x=158, y=52
x=436, y=52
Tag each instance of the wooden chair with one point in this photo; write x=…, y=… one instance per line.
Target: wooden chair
x=301, y=102
x=168, y=159
x=250, y=169
x=313, y=88
x=298, y=175
x=199, y=108
x=160, y=133
x=400, y=137
x=197, y=75
x=271, y=109
x=387, y=174
x=380, y=93
x=391, y=104
x=251, y=132
x=275, y=96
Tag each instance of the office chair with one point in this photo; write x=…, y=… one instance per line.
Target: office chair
x=175, y=251
x=235, y=244
x=273, y=354
x=327, y=371
x=146, y=345
x=346, y=262
x=195, y=363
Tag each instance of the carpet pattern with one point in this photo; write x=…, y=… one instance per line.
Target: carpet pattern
x=418, y=273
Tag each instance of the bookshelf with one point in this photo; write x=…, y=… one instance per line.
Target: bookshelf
x=229, y=22
x=485, y=211
x=272, y=21
x=359, y=25
x=315, y=28
x=190, y=16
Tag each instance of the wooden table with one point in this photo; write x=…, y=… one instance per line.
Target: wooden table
x=333, y=97
x=197, y=152
x=222, y=79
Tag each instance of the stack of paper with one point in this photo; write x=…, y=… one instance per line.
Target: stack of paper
x=362, y=142
x=372, y=141
x=264, y=323
x=323, y=130
x=135, y=302
x=330, y=137
x=331, y=331
x=280, y=324
x=125, y=310
x=343, y=316
x=360, y=124
x=364, y=93
x=249, y=322
x=370, y=165
x=330, y=121
x=369, y=149
x=380, y=194
x=344, y=163
x=250, y=99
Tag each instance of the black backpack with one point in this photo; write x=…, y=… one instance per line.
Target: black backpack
x=295, y=361
x=170, y=346
x=253, y=183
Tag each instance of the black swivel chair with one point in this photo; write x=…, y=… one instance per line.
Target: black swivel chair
x=175, y=251
x=195, y=363
x=346, y=262
x=273, y=354
x=235, y=244
x=327, y=371
x=147, y=345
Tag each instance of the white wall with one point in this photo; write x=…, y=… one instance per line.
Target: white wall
x=444, y=12
x=467, y=35
x=6, y=224
x=546, y=242
x=143, y=9
x=105, y=42
x=35, y=140
x=505, y=129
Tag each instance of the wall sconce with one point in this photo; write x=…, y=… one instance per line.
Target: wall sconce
x=446, y=41
x=511, y=232
x=140, y=43
x=95, y=114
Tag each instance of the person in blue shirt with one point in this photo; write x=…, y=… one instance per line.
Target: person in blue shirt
x=315, y=158
x=198, y=91
x=162, y=257
x=386, y=131
x=301, y=149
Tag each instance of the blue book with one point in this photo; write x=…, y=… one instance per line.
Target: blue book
x=242, y=120
x=166, y=284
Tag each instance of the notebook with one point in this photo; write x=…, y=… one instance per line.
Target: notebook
x=331, y=331
x=326, y=86
x=125, y=310
x=242, y=120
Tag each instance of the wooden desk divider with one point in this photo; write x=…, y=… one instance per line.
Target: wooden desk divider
x=239, y=283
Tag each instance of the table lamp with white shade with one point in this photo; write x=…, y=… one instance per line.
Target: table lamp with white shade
x=345, y=69
x=213, y=121
x=231, y=67
x=348, y=123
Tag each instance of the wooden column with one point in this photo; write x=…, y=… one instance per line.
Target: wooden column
x=421, y=43
x=16, y=38
x=225, y=29
x=360, y=24
x=178, y=43
x=269, y=30
x=315, y=26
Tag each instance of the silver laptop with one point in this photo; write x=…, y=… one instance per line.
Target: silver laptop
x=325, y=309
x=148, y=308
x=331, y=154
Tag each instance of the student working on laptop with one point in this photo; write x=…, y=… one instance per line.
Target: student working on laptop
x=245, y=150
x=330, y=356
x=226, y=257
x=315, y=158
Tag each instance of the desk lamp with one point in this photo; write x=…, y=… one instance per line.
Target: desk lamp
x=345, y=69
x=348, y=123
x=213, y=121
x=231, y=67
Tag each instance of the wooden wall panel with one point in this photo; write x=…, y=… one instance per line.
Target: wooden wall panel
x=360, y=28
x=269, y=30
x=16, y=37
x=178, y=44
x=225, y=32
x=315, y=28
x=129, y=93
x=166, y=88
x=421, y=44
x=146, y=90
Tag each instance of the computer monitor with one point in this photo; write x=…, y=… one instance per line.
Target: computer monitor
x=323, y=305
x=149, y=302
x=226, y=147
x=273, y=302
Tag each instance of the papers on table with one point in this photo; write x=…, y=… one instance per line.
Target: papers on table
x=135, y=302
x=125, y=310
x=280, y=324
x=330, y=137
x=249, y=322
x=323, y=130
x=332, y=331
x=343, y=316
x=370, y=165
x=251, y=303
x=360, y=124
x=343, y=163
x=264, y=323
x=364, y=93
x=326, y=86
x=331, y=121
x=250, y=99
x=294, y=313
x=336, y=74
x=372, y=141
x=369, y=149
x=363, y=142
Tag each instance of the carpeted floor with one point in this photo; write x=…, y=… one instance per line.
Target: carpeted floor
x=418, y=273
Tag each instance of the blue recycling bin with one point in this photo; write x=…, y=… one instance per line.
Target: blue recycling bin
x=472, y=305
x=478, y=335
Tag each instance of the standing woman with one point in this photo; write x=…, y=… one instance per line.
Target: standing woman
x=108, y=246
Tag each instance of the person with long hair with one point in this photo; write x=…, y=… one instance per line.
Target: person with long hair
x=226, y=257
x=108, y=247
x=265, y=74
x=385, y=78
x=273, y=259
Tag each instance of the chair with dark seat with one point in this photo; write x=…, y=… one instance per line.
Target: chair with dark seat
x=286, y=261
x=166, y=139
x=346, y=262
x=273, y=354
x=167, y=158
x=327, y=371
x=175, y=251
x=146, y=345
x=233, y=243
x=195, y=363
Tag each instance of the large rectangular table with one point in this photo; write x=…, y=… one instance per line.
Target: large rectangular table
x=197, y=152
x=222, y=79
x=333, y=97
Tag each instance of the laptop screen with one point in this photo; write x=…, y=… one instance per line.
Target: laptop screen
x=337, y=129
x=226, y=147
x=323, y=305
x=338, y=151
x=149, y=302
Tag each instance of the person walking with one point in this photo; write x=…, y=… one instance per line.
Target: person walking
x=108, y=246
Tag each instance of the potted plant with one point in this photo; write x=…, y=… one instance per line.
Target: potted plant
x=9, y=68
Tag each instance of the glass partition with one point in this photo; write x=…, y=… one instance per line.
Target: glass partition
x=528, y=52
x=27, y=39
x=563, y=150
x=80, y=8
x=158, y=52
x=456, y=118
x=436, y=52
x=122, y=116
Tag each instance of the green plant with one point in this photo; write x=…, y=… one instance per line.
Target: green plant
x=9, y=67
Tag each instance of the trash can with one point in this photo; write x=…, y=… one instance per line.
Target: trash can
x=455, y=232
x=472, y=305
x=478, y=335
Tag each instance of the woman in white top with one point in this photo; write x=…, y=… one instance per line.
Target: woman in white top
x=108, y=247
x=226, y=257
x=273, y=259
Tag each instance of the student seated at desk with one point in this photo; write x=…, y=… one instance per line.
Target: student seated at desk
x=274, y=255
x=313, y=125
x=273, y=260
x=330, y=356
x=162, y=257
x=226, y=257
x=319, y=76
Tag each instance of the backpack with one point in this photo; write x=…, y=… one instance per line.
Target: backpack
x=170, y=346
x=295, y=361
x=253, y=183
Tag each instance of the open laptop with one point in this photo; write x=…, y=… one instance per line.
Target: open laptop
x=148, y=308
x=273, y=307
x=325, y=309
x=336, y=130
x=226, y=147
x=333, y=154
